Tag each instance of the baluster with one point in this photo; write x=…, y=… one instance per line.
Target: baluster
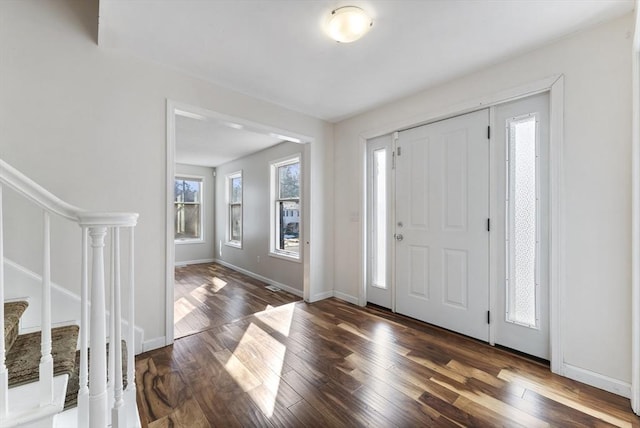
x=83, y=393
x=98, y=398
x=118, y=413
x=110, y=355
x=131, y=381
x=46, y=360
x=4, y=374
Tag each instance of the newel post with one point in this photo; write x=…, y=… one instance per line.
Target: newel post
x=98, y=396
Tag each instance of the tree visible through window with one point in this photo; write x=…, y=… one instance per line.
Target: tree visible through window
x=234, y=189
x=188, y=208
x=286, y=177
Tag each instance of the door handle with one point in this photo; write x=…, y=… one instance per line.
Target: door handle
x=398, y=236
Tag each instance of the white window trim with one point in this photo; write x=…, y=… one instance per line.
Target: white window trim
x=273, y=182
x=228, y=241
x=201, y=239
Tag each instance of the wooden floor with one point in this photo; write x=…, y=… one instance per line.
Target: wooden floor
x=332, y=364
x=209, y=295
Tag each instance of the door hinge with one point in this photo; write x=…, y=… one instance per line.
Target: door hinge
x=399, y=150
x=488, y=225
x=488, y=317
x=488, y=132
x=393, y=160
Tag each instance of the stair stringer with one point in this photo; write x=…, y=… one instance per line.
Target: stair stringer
x=24, y=402
x=22, y=283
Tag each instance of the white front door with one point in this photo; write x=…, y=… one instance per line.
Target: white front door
x=379, y=227
x=442, y=209
x=522, y=225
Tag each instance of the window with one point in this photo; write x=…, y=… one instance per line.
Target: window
x=379, y=223
x=285, y=181
x=188, y=208
x=234, y=198
x=523, y=243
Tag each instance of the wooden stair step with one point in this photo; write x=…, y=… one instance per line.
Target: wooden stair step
x=12, y=313
x=23, y=359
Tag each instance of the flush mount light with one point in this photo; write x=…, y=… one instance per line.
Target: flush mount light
x=347, y=24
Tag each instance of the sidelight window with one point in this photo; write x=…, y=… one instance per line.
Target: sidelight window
x=523, y=231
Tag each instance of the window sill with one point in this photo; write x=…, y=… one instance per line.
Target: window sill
x=283, y=256
x=188, y=241
x=234, y=244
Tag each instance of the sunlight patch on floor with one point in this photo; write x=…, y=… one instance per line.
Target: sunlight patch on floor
x=257, y=361
x=218, y=284
x=181, y=308
x=279, y=318
x=201, y=293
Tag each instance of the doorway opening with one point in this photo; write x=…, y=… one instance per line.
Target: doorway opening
x=215, y=211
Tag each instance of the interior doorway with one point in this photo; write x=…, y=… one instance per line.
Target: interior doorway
x=227, y=138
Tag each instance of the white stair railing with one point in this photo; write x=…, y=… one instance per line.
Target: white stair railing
x=102, y=400
x=46, y=359
x=4, y=374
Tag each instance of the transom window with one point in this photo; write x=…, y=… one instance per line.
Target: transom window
x=188, y=208
x=234, y=198
x=285, y=181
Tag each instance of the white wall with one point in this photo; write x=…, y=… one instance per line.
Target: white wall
x=256, y=203
x=597, y=69
x=194, y=252
x=89, y=124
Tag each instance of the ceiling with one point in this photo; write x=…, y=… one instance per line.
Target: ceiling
x=206, y=141
x=275, y=50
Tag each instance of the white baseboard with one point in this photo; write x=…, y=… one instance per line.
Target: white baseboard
x=597, y=380
x=269, y=281
x=346, y=297
x=193, y=262
x=155, y=343
x=321, y=296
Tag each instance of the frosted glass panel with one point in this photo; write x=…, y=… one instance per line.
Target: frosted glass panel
x=522, y=243
x=379, y=218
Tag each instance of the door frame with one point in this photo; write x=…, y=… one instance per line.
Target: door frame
x=555, y=86
x=635, y=216
x=169, y=274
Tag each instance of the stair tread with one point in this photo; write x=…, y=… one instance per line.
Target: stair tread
x=12, y=313
x=23, y=359
x=73, y=387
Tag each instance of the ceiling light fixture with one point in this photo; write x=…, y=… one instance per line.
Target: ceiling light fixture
x=347, y=24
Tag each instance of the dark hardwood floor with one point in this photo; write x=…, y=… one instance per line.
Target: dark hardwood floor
x=209, y=295
x=332, y=364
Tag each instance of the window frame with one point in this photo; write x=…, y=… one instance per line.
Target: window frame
x=275, y=200
x=200, y=239
x=228, y=182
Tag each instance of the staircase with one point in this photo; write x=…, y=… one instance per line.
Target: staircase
x=48, y=378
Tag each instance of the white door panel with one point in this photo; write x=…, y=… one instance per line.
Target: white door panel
x=523, y=215
x=442, y=207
